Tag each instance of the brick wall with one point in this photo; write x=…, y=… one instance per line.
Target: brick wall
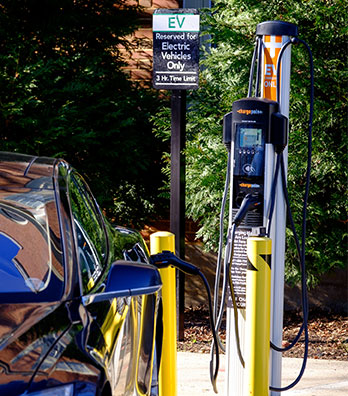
x=191, y=229
x=139, y=61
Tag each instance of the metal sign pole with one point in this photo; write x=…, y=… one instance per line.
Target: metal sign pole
x=177, y=192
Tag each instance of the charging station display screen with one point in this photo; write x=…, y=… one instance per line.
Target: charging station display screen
x=249, y=150
x=250, y=137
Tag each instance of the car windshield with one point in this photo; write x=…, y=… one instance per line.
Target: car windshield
x=28, y=241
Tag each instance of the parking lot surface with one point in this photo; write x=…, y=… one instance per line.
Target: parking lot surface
x=321, y=378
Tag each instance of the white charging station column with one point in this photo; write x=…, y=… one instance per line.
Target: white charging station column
x=273, y=35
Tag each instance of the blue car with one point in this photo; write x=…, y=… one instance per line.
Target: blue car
x=80, y=304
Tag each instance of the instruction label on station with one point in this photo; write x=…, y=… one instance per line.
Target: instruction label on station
x=239, y=268
x=175, y=48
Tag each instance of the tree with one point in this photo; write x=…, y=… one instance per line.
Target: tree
x=63, y=93
x=232, y=25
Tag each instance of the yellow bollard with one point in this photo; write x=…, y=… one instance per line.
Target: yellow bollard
x=258, y=312
x=160, y=241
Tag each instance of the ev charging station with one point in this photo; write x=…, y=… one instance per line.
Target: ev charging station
x=271, y=36
x=256, y=134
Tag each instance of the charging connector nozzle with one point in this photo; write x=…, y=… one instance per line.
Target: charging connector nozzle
x=250, y=201
x=167, y=258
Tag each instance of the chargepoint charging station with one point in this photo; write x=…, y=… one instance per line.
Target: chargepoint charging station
x=251, y=270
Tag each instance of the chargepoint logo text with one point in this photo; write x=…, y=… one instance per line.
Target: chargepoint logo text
x=249, y=112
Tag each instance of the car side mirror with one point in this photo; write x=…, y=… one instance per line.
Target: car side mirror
x=127, y=278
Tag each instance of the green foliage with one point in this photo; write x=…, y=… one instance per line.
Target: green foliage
x=63, y=93
x=232, y=25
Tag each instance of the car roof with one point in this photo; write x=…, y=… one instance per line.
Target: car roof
x=23, y=171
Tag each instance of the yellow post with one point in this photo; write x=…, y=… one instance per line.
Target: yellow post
x=160, y=241
x=258, y=312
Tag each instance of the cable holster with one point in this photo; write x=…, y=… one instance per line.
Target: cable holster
x=279, y=131
x=227, y=130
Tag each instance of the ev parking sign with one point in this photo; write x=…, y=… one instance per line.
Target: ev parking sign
x=175, y=48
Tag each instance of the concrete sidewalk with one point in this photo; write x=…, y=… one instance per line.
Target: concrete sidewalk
x=321, y=378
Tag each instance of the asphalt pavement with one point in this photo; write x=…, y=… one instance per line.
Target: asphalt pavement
x=321, y=378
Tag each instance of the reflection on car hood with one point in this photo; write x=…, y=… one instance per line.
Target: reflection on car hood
x=30, y=249
x=25, y=171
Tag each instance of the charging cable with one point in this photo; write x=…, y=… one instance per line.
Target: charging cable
x=300, y=249
x=219, y=267
x=167, y=258
x=250, y=202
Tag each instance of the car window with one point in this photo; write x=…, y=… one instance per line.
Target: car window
x=90, y=232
